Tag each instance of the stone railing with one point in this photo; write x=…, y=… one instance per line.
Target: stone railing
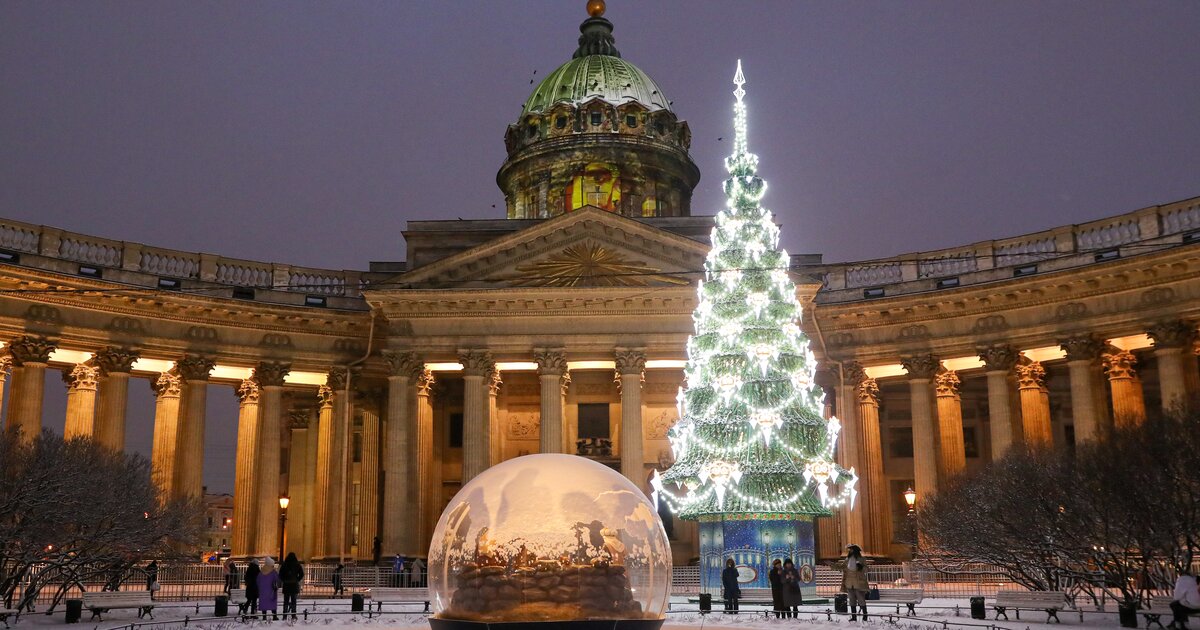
x=134, y=263
x=1138, y=232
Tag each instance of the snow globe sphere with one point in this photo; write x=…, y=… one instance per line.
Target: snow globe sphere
x=555, y=539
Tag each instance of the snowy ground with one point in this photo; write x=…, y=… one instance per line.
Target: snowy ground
x=933, y=614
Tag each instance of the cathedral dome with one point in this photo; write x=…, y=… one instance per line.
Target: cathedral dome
x=605, y=77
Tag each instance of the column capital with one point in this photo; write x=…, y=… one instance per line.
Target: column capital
x=336, y=378
x=113, y=359
x=6, y=363
x=493, y=381
x=565, y=384
x=1084, y=347
x=921, y=366
x=298, y=419
x=271, y=373
x=999, y=358
x=194, y=368
x=81, y=377
x=1172, y=334
x=552, y=361
x=30, y=349
x=946, y=383
x=403, y=363
x=1119, y=363
x=867, y=390
x=167, y=384
x=1030, y=374
x=855, y=373
x=630, y=360
x=425, y=382
x=325, y=395
x=248, y=391
x=476, y=362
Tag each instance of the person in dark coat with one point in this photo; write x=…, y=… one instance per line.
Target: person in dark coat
x=775, y=577
x=376, y=550
x=152, y=577
x=338, y=591
x=268, y=590
x=251, y=582
x=292, y=576
x=231, y=575
x=854, y=581
x=792, y=598
x=729, y=583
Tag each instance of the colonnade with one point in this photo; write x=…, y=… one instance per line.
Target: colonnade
x=1105, y=391
x=398, y=492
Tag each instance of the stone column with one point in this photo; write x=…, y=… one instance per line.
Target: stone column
x=1171, y=340
x=299, y=491
x=113, y=395
x=849, y=454
x=477, y=365
x=30, y=356
x=335, y=505
x=1082, y=352
x=631, y=370
x=397, y=535
x=322, y=488
x=6, y=362
x=495, y=435
x=190, y=471
x=368, y=482
x=245, y=469
x=953, y=456
x=921, y=370
x=1128, y=406
x=552, y=365
x=875, y=507
x=1035, y=403
x=81, y=400
x=164, y=454
x=269, y=376
x=998, y=362
x=422, y=459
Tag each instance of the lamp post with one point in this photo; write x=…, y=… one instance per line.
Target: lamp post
x=283, y=504
x=910, y=498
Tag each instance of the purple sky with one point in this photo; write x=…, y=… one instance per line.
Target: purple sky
x=309, y=132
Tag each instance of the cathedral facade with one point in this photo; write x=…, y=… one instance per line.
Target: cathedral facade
x=369, y=397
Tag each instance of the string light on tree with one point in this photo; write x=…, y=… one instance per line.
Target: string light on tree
x=750, y=438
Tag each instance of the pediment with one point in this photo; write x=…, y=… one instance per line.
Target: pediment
x=585, y=248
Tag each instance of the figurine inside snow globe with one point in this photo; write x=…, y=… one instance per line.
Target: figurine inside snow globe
x=549, y=538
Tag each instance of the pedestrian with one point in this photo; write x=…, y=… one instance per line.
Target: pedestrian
x=729, y=584
x=337, y=580
x=397, y=570
x=418, y=572
x=231, y=575
x=268, y=589
x=292, y=576
x=775, y=577
x=1186, y=600
x=854, y=581
x=792, y=597
x=376, y=550
x=152, y=578
x=251, y=583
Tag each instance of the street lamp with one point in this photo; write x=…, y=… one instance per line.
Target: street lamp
x=283, y=503
x=910, y=497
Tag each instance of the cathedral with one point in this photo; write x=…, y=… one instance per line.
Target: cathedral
x=369, y=397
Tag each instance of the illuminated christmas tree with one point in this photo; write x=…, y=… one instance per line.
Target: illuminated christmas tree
x=754, y=458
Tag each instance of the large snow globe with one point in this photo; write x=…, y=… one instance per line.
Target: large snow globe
x=549, y=538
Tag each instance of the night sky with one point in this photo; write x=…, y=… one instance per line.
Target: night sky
x=310, y=132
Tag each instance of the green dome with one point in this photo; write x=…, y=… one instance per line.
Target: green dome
x=581, y=79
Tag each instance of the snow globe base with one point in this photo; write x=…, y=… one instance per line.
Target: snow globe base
x=583, y=624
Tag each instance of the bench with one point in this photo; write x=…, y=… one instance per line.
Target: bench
x=1049, y=602
x=386, y=595
x=909, y=597
x=1156, y=607
x=105, y=601
x=5, y=613
x=237, y=597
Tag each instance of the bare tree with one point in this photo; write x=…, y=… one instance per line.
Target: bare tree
x=72, y=511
